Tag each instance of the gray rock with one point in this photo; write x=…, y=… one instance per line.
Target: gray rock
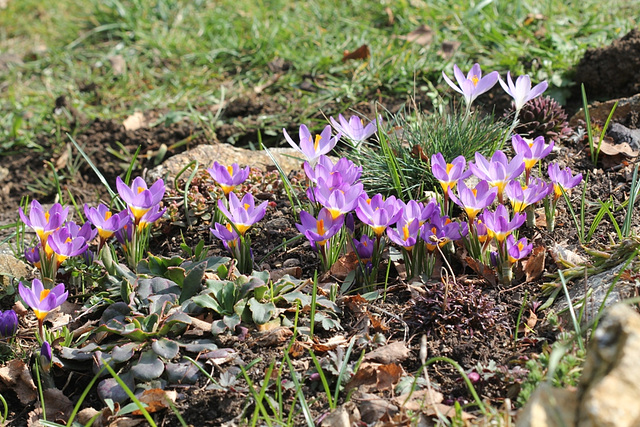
x=621, y=133
x=226, y=154
x=12, y=268
x=291, y=262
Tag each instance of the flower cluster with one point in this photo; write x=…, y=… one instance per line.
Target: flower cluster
x=474, y=84
x=493, y=231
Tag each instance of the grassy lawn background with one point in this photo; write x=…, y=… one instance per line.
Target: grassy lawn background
x=181, y=54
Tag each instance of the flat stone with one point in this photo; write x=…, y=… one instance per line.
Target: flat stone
x=10, y=268
x=226, y=154
x=599, y=111
x=621, y=133
x=549, y=407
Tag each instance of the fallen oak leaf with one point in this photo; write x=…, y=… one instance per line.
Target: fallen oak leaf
x=17, y=377
x=534, y=265
x=395, y=352
x=156, y=399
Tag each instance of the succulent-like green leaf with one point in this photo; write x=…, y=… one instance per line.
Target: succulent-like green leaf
x=156, y=286
x=123, y=353
x=166, y=348
x=207, y=301
x=192, y=284
x=117, y=311
x=149, y=366
x=198, y=346
x=231, y=321
x=182, y=372
x=110, y=389
x=261, y=312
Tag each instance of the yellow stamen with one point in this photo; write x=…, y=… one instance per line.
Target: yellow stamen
x=475, y=80
x=140, y=190
x=46, y=216
x=320, y=226
x=44, y=293
x=449, y=167
x=107, y=215
x=246, y=206
x=230, y=169
x=315, y=144
x=530, y=163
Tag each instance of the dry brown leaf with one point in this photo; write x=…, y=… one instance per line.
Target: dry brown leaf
x=531, y=322
x=16, y=376
x=274, y=337
x=156, y=400
x=532, y=17
x=118, y=64
x=447, y=411
x=482, y=270
x=394, y=352
x=421, y=35
x=448, y=48
x=275, y=275
x=58, y=407
x=61, y=162
x=360, y=53
x=534, y=265
x=135, y=121
x=297, y=350
x=344, y=265
x=390, y=17
x=375, y=376
x=373, y=408
x=329, y=345
x=377, y=324
x=613, y=154
x=565, y=257
x=419, y=399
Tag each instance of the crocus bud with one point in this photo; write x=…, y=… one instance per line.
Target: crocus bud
x=45, y=356
x=8, y=323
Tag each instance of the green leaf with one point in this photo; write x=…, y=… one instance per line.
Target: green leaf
x=231, y=321
x=207, y=301
x=177, y=274
x=166, y=348
x=261, y=312
x=192, y=284
x=149, y=366
x=122, y=353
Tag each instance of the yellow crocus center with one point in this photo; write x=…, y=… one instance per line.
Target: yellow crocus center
x=226, y=189
x=107, y=215
x=405, y=231
x=449, y=167
x=475, y=192
x=320, y=226
x=246, y=206
x=230, y=169
x=44, y=293
x=475, y=80
x=530, y=163
x=140, y=189
x=317, y=142
x=46, y=216
x=518, y=205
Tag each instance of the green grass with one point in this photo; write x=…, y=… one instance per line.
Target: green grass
x=182, y=53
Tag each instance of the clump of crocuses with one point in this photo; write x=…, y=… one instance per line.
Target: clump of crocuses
x=240, y=216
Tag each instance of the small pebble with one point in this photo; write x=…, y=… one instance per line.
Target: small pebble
x=291, y=262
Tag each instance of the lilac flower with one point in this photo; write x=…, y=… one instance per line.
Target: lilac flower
x=8, y=323
x=33, y=255
x=481, y=229
x=521, y=197
x=45, y=356
x=448, y=174
x=312, y=149
x=517, y=250
x=228, y=235
x=354, y=129
x=318, y=231
x=474, y=200
x=343, y=172
x=228, y=176
x=498, y=171
x=521, y=91
x=42, y=300
x=104, y=220
x=125, y=234
x=364, y=247
x=66, y=242
x=562, y=179
x=378, y=213
x=419, y=211
x=151, y=216
x=44, y=222
x=531, y=152
x=473, y=84
x=405, y=233
x=243, y=213
x=338, y=201
x=498, y=224
x=138, y=197
x=441, y=230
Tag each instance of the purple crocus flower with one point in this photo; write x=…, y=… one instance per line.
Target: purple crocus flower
x=498, y=224
x=474, y=200
x=498, y=171
x=521, y=197
x=42, y=300
x=354, y=128
x=138, y=197
x=228, y=236
x=417, y=210
x=517, y=250
x=8, y=323
x=344, y=171
x=44, y=222
x=229, y=177
x=32, y=255
x=441, y=230
x=521, y=91
x=338, y=201
x=312, y=149
x=405, y=233
x=364, y=247
x=125, y=234
x=104, y=220
x=378, y=213
x=473, y=85
x=66, y=242
x=532, y=151
x=45, y=356
x=243, y=213
x=318, y=231
x=151, y=216
x=448, y=174
x=562, y=179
